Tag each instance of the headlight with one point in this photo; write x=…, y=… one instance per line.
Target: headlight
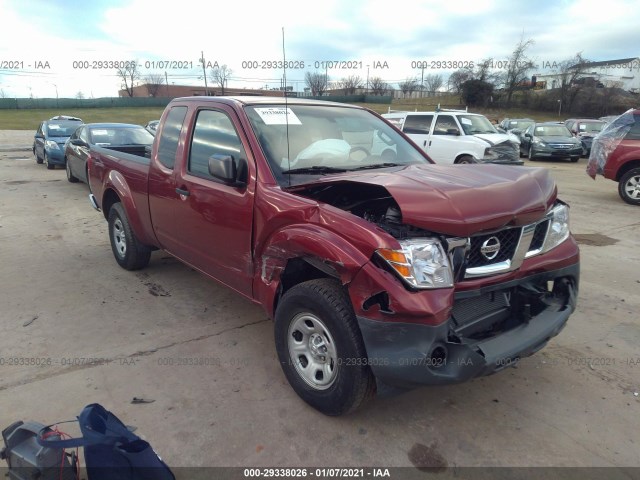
x=422, y=263
x=558, y=228
x=51, y=144
x=537, y=141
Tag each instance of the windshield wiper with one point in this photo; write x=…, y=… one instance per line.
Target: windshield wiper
x=377, y=165
x=316, y=169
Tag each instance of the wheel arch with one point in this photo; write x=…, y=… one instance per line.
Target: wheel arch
x=626, y=167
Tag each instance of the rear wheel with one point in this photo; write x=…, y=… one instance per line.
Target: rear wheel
x=629, y=186
x=320, y=347
x=70, y=176
x=129, y=252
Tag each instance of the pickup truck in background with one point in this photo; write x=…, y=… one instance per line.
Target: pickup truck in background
x=381, y=270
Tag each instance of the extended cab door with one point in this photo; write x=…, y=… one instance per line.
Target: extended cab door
x=199, y=219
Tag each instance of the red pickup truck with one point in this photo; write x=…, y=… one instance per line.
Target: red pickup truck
x=382, y=271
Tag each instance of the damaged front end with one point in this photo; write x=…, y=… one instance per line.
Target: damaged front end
x=458, y=306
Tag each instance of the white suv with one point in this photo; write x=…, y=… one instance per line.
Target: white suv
x=457, y=136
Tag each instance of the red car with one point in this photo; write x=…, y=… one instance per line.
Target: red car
x=615, y=154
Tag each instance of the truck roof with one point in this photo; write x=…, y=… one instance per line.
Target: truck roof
x=259, y=100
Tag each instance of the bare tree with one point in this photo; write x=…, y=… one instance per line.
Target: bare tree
x=518, y=67
x=409, y=86
x=378, y=86
x=457, y=78
x=221, y=75
x=2, y=93
x=154, y=82
x=350, y=84
x=129, y=74
x=317, y=82
x=571, y=70
x=484, y=73
x=433, y=82
x=80, y=95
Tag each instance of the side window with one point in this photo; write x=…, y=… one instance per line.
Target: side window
x=213, y=134
x=41, y=129
x=420, y=124
x=445, y=125
x=634, y=132
x=83, y=134
x=170, y=136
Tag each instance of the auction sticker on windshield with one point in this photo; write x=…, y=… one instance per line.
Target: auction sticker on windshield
x=278, y=116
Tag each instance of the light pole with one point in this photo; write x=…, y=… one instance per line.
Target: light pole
x=559, y=107
x=57, y=104
x=367, y=89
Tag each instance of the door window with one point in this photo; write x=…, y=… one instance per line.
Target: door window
x=446, y=125
x=420, y=124
x=170, y=136
x=214, y=134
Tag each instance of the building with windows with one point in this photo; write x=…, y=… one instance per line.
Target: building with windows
x=174, y=91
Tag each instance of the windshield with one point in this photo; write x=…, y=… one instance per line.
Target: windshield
x=520, y=124
x=474, y=124
x=552, y=131
x=323, y=139
x=594, y=127
x=113, y=136
x=61, y=129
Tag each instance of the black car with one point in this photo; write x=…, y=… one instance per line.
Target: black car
x=585, y=129
x=520, y=124
x=117, y=136
x=550, y=140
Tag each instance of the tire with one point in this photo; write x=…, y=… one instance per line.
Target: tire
x=70, y=176
x=574, y=159
x=128, y=251
x=46, y=162
x=629, y=187
x=38, y=159
x=465, y=160
x=530, y=156
x=320, y=311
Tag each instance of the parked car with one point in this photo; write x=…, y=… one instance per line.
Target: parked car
x=382, y=271
x=122, y=137
x=152, y=126
x=520, y=124
x=615, y=154
x=550, y=140
x=49, y=141
x=66, y=117
x=584, y=129
x=456, y=136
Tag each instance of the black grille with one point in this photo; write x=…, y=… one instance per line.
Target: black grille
x=539, y=235
x=508, y=242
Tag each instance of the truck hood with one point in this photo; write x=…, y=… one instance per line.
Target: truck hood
x=460, y=200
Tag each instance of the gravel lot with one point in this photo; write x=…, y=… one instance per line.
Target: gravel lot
x=64, y=300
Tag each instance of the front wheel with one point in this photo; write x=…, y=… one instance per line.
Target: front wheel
x=129, y=252
x=320, y=347
x=46, y=162
x=574, y=159
x=70, y=175
x=629, y=186
x=465, y=160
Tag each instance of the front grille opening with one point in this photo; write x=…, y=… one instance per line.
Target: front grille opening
x=539, y=234
x=508, y=239
x=492, y=313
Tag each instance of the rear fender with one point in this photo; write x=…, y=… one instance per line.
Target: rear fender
x=116, y=184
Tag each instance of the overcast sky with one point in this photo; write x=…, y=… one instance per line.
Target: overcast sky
x=36, y=34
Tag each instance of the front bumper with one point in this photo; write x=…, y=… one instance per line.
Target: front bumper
x=557, y=153
x=55, y=156
x=479, y=338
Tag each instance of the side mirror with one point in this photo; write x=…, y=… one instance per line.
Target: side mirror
x=528, y=135
x=225, y=169
x=39, y=135
x=79, y=143
x=453, y=131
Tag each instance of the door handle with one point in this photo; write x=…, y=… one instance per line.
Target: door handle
x=429, y=142
x=425, y=143
x=182, y=192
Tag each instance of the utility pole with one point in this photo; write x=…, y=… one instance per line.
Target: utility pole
x=166, y=82
x=204, y=71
